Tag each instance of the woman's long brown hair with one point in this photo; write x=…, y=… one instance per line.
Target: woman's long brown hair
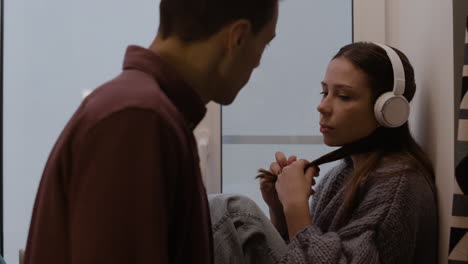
x=383, y=141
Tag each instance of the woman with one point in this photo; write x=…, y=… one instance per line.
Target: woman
x=377, y=206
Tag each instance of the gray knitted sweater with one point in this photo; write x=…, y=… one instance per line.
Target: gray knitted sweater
x=395, y=220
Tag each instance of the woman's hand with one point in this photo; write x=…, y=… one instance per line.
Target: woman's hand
x=294, y=186
x=267, y=187
x=270, y=196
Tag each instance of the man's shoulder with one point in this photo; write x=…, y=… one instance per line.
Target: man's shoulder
x=124, y=96
x=129, y=91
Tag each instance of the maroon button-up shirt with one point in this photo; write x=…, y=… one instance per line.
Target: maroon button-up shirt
x=123, y=184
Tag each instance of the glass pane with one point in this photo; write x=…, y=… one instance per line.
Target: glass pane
x=278, y=106
x=54, y=52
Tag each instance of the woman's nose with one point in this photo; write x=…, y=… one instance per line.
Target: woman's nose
x=324, y=107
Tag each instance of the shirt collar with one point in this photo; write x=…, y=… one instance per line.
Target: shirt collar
x=179, y=92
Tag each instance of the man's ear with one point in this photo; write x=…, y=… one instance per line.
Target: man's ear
x=237, y=32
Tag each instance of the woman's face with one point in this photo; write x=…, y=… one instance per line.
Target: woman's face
x=347, y=108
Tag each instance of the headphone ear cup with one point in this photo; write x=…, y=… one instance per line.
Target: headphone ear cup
x=391, y=110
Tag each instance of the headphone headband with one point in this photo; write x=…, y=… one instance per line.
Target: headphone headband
x=398, y=70
x=391, y=108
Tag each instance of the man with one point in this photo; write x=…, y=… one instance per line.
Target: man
x=122, y=184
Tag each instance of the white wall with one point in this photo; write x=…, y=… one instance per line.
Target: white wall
x=423, y=30
x=208, y=135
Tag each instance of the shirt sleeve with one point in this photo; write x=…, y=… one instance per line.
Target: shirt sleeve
x=119, y=195
x=382, y=230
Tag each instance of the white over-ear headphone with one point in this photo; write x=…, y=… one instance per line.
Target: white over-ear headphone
x=391, y=108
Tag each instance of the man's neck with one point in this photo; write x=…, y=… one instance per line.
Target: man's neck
x=194, y=62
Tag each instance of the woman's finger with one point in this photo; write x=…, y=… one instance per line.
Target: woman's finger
x=317, y=171
x=292, y=159
x=309, y=175
x=314, y=170
x=275, y=168
x=281, y=159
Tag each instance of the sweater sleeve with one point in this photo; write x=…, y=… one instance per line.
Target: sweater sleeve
x=119, y=198
x=382, y=228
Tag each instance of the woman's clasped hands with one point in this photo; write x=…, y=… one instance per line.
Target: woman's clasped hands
x=288, y=196
x=293, y=185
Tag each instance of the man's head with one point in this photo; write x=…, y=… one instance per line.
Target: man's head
x=195, y=20
x=225, y=39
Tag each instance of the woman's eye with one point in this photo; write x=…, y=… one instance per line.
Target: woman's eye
x=344, y=97
x=324, y=94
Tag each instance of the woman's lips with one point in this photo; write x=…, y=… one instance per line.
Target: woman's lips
x=325, y=128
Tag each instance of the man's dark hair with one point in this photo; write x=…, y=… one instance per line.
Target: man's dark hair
x=193, y=20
